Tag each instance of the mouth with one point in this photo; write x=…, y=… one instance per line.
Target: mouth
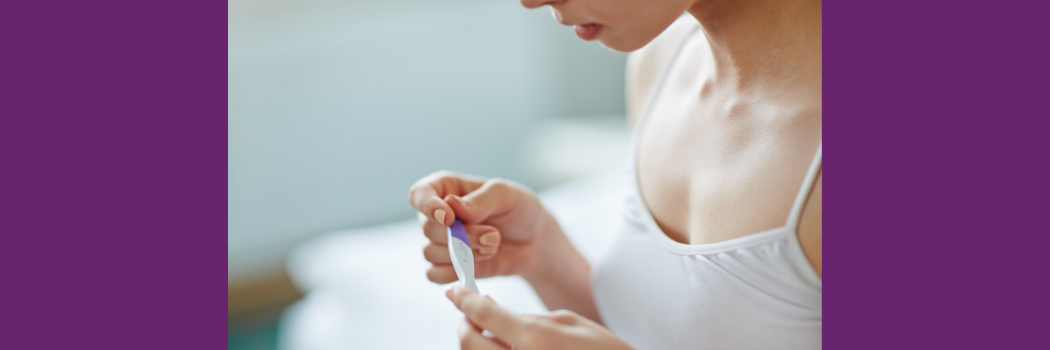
x=588, y=31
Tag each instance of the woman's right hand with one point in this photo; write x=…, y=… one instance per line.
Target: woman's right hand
x=504, y=220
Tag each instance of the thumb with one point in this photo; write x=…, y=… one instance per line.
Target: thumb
x=494, y=197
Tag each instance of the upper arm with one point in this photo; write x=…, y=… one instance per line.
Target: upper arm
x=809, y=228
x=645, y=64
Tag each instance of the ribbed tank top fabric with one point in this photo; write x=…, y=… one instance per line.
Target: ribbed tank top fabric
x=753, y=292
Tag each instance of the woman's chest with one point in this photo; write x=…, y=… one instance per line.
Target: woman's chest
x=714, y=169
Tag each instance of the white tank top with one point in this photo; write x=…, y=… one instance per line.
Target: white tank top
x=753, y=292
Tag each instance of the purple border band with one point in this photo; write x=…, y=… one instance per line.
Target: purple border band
x=112, y=130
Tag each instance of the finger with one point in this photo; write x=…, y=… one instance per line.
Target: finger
x=487, y=315
x=435, y=232
x=426, y=200
x=427, y=193
x=438, y=254
x=442, y=274
x=494, y=197
x=483, y=239
x=482, y=235
x=479, y=236
x=470, y=337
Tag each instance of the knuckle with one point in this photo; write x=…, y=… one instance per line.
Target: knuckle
x=508, y=187
x=443, y=175
x=427, y=181
x=499, y=184
x=564, y=316
x=416, y=187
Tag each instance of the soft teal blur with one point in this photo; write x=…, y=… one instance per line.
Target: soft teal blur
x=337, y=107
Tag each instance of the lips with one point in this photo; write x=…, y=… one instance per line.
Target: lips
x=587, y=31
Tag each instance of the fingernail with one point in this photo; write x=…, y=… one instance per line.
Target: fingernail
x=491, y=238
x=487, y=250
x=448, y=293
x=439, y=215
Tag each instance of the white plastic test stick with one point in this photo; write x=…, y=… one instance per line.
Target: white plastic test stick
x=462, y=257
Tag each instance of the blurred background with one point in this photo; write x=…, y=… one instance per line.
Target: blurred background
x=337, y=106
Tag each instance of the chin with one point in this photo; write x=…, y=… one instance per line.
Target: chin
x=622, y=44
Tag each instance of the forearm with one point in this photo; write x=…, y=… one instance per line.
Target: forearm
x=562, y=277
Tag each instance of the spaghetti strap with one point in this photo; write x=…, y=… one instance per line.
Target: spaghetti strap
x=803, y=193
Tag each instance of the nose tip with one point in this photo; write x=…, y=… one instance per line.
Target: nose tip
x=535, y=4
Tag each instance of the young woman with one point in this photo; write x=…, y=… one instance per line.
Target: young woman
x=719, y=244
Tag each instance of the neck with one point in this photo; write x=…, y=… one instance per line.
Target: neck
x=761, y=43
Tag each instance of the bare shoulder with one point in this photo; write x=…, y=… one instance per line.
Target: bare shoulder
x=645, y=64
x=810, y=227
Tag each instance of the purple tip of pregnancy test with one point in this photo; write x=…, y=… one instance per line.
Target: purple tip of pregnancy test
x=459, y=232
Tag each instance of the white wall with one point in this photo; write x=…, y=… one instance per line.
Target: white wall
x=336, y=107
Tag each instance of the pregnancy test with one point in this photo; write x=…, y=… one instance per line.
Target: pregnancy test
x=462, y=257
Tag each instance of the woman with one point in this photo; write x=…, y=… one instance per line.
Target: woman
x=719, y=245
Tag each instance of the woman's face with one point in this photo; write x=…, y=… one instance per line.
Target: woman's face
x=621, y=25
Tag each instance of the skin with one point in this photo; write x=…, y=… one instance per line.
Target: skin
x=627, y=24
x=720, y=157
x=561, y=329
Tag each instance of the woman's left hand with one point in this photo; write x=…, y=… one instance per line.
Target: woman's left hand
x=561, y=329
